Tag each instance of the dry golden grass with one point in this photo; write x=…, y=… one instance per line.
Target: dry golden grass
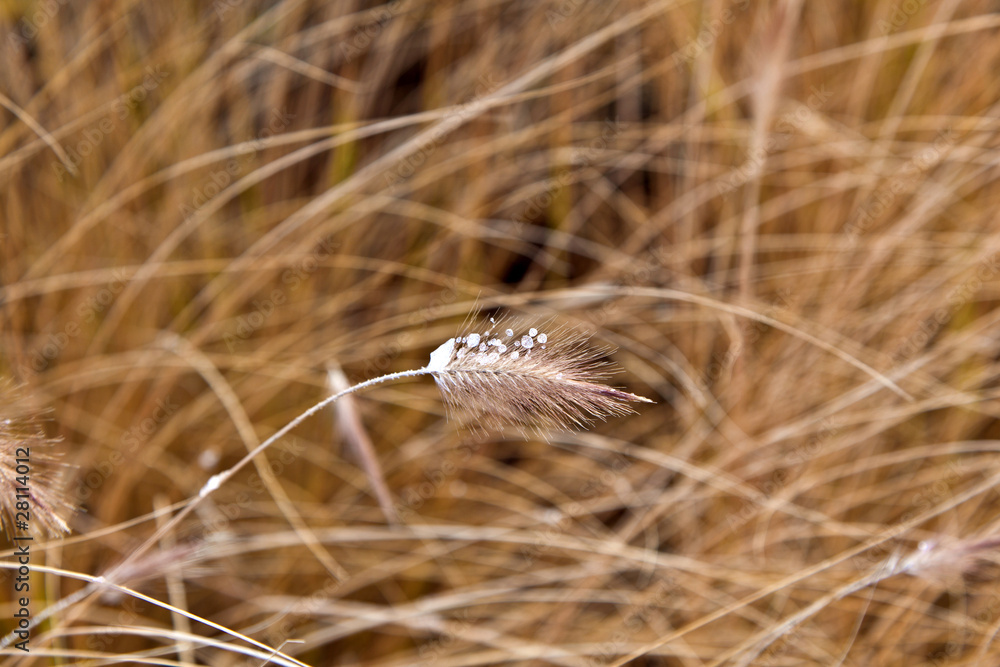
x=781, y=214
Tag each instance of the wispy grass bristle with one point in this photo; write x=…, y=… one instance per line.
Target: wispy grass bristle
x=506, y=374
x=29, y=471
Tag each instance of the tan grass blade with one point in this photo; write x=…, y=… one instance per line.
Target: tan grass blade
x=351, y=427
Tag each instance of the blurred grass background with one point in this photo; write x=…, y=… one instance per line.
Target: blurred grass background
x=782, y=214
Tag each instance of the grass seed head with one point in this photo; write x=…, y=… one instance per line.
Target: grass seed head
x=503, y=374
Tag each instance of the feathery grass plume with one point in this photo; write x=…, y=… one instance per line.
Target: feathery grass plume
x=949, y=561
x=504, y=373
x=29, y=473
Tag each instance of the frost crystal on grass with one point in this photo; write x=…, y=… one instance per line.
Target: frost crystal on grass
x=442, y=355
x=554, y=386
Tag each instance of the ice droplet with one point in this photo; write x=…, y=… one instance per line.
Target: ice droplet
x=526, y=342
x=515, y=354
x=532, y=332
x=509, y=332
x=542, y=338
x=441, y=356
x=472, y=340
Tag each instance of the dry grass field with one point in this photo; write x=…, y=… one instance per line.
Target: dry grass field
x=777, y=219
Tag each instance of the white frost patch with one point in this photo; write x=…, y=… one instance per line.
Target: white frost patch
x=214, y=482
x=441, y=356
x=515, y=354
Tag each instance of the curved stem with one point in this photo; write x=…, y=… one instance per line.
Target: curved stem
x=218, y=480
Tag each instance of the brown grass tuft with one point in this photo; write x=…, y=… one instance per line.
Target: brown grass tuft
x=783, y=214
